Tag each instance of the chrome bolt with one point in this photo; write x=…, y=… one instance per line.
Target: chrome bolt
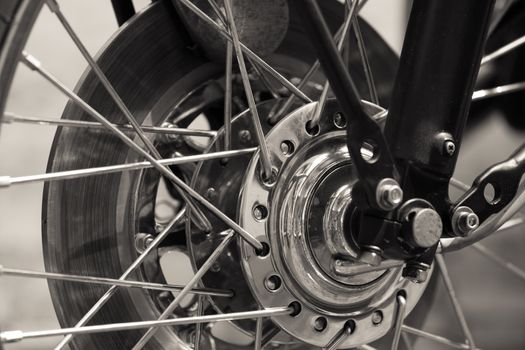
x=142, y=241
x=388, y=194
x=245, y=136
x=464, y=221
x=370, y=257
x=415, y=274
x=377, y=317
x=260, y=212
x=449, y=147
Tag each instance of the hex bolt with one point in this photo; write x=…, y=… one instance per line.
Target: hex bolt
x=377, y=317
x=245, y=136
x=415, y=273
x=464, y=221
x=389, y=194
x=142, y=241
x=449, y=148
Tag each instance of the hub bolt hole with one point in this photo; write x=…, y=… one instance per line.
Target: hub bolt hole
x=287, y=147
x=311, y=129
x=339, y=120
x=264, y=251
x=320, y=324
x=296, y=308
x=377, y=317
x=273, y=283
x=260, y=212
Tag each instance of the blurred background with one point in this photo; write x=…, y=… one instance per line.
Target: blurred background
x=492, y=297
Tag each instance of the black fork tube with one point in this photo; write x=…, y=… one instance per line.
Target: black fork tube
x=439, y=63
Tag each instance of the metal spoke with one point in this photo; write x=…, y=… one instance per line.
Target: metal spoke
x=455, y=302
x=503, y=50
x=9, y=118
x=259, y=61
x=435, y=338
x=180, y=217
x=340, y=44
x=265, y=153
x=33, y=64
x=497, y=91
x=340, y=338
x=366, y=63
x=406, y=341
x=499, y=260
x=6, y=181
x=198, y=327
x=350, y=268
x=228, y=96
x=258, y=334
x=200, y=218
x=14, y=336
x=400, y=316
x=194, y=280
x=4, y=271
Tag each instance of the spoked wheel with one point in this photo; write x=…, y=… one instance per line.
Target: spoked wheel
x=215, y=185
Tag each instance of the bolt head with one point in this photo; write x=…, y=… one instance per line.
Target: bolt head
x=415, y=274
x=464, y=221
x=450, y=148
x=389, y=194
x=377, y=317
x=285, y=148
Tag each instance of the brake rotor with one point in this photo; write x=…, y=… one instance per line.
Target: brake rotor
x=89, y=224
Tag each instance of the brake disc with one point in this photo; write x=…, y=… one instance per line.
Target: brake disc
x=89, y=224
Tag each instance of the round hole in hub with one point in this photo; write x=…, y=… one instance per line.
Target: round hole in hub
x=264, y=251
x=260, y=212
x=269, y=180
x=349, y=326
x=320, y=324
x=273, y=283
x=339, y=120
x=287, y=147
x=369, y=151
x=296, y=308
x=311, y=129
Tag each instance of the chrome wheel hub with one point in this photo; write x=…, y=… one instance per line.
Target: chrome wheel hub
x=301, y=217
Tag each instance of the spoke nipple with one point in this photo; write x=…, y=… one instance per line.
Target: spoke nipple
x=464, y=221
x=5, y=181
x=389, y=194
x=11, y=337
